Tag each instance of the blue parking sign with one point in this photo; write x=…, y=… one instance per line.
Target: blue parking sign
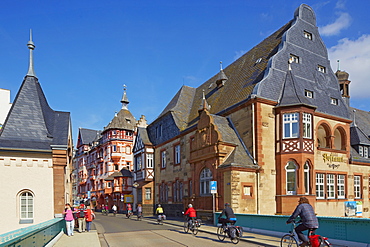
x=213, y=185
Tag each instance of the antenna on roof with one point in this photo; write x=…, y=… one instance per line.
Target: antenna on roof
x=338, y=65
x=354, y=118
x=220, y=65
x=31, y=46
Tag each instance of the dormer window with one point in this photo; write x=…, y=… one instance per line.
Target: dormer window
x=322, y=69
x=259, y=60
x=307, y=35
x=293, y=59
x=333, y=101
x=308, y=94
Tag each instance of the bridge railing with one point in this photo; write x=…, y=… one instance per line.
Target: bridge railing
x=35, y=235
x=340, y=228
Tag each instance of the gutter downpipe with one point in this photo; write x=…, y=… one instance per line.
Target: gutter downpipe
x=254, y=157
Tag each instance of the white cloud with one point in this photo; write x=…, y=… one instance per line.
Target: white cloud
x=340, y=4
x=354, y=57
x=342, y=22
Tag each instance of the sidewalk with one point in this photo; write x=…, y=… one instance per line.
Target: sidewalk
x=84, y=239
x=91, y=239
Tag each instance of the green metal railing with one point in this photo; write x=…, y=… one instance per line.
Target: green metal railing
x=35, y=235
x=340, y=228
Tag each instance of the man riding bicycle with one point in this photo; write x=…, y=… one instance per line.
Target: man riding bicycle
x=309, y=220
x=230, y=216
x=191, y=214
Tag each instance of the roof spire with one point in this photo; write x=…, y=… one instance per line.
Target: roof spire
x=338, y=64
x=124, y=99
x=204, y=105
x=221, y=78
x=31, y=46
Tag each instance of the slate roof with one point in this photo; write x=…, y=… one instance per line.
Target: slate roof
x=142, y=132
x=359, y=132
x=289, y=95
x=123, y=173
x=88, y=136
x=179, y=106
x=31, y=123
x=240, y=156
x=122, y=120
x=263, y=71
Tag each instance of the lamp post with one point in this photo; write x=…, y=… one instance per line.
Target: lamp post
x=135, y=185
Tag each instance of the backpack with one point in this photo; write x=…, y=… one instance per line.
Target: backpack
x=232, y=231
x=314, y=240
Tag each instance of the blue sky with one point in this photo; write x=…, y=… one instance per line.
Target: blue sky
x=87, y=50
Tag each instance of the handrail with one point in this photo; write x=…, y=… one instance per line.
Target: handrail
x=44, y=232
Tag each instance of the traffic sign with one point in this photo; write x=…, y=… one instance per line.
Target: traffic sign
x=213, y=185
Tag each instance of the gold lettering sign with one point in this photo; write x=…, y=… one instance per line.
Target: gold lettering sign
x=331, y=158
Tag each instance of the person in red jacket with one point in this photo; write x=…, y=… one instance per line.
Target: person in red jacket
x=191, y=214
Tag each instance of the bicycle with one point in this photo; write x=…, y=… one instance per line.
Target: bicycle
x=231, y=231
x=192, y=225
x=114, y=213
x=291, y=239
x=160, y=219
x=104, y=212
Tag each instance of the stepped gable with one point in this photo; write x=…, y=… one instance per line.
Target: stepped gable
x=31, y=123
x=311, y=72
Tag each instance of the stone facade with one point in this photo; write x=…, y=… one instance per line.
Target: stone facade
x=271, y=127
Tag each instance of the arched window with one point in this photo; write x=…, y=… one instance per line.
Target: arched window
x=26, y=204
x=205, y=178
x=323, y=133
x=291, y=178
x=306, y=169
x=339, y=139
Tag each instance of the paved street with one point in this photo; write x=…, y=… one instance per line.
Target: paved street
x=119, y=231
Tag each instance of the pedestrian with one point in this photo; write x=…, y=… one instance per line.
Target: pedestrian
x=139, y=211
x=308, y=217
x=81, y=218
x=129, y=210
x=68, y=217
x=90, y=216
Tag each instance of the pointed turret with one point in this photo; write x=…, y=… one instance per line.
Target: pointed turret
x=221, y=78
x=343, y=83
x=124, y=99
x=204, y=105
x=31, y=46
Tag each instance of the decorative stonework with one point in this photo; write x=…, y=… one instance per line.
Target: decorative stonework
x=291, y=146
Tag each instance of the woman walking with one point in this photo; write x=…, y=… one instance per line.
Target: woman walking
x=68, y=216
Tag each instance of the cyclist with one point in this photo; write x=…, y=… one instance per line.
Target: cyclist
x=191, y=214
x=309, y=220
x=159, y=212
x=114, y=209
x=230, y=216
